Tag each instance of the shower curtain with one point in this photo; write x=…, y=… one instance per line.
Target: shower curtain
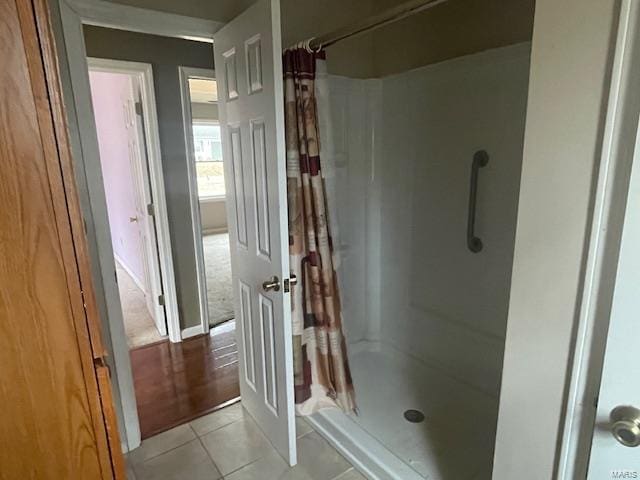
x=321, y=369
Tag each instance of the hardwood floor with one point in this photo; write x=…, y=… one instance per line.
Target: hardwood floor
x=177, y=382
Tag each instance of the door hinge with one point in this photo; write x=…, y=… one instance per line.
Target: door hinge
x=151, y=210
x=161, y=300
x=100, y=362
x=139, y=108
x=288, y=282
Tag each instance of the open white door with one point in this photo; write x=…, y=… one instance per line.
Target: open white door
x=144, y=217
x=615, y=451
x=248, y=60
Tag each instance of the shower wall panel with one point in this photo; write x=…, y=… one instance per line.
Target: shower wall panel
x=348, y=116
x=440, y=302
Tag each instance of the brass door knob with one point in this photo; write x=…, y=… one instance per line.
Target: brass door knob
x=272, y=284
x=625, y=425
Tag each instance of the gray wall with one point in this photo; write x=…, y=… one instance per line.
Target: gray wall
x=165, y=55
x=455, y=28
x=449, y=30
x=302, y=20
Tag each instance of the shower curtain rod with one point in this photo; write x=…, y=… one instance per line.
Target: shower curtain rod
x=375, y=21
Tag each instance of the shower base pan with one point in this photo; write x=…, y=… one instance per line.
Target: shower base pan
x=454, y=442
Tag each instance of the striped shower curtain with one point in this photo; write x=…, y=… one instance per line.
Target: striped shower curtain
x=321, y=369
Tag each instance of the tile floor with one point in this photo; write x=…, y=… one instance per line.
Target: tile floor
x=228, y=445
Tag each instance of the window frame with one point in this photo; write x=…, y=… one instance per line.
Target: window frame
x=208, y=198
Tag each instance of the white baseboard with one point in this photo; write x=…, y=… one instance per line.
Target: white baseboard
x=135, y=278
x=192, y=331
x=212, y=231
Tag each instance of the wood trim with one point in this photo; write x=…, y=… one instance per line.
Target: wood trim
x=108, y=408
x=52, y=118
x=52, y=164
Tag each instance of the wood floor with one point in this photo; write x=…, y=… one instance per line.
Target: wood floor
x=177, y=382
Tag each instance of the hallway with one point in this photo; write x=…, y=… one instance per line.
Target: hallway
x=177, y=382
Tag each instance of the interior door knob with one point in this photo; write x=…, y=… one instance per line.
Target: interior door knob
x=625, y=425
x=133, y=219
x=271, y=284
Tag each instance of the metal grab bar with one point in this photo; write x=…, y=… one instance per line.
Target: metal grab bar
x=480, y=159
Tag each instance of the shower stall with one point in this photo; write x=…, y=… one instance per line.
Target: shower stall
x=424, y=310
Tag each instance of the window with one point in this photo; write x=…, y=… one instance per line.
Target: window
x=208, y=152
x=207, y=142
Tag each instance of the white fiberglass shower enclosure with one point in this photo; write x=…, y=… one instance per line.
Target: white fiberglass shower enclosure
x=425, y=316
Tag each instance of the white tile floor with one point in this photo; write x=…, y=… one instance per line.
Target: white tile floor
x=228, y=445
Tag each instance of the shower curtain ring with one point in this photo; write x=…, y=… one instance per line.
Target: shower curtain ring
x=308, y=48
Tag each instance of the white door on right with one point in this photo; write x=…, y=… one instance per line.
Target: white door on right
x=248, y=61
x=615, y=450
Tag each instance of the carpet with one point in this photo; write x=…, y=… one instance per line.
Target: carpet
x=217, y=262
x=138, y=323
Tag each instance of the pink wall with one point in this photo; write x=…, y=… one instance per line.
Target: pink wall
x=109, y=93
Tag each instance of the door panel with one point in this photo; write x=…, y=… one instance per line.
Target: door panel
x=248, y=53
x=148, y=240
x=619, y=385
x=52, y=423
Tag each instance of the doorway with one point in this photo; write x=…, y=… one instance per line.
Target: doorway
x=175, y=378
x=119, y=100
x=203, y=142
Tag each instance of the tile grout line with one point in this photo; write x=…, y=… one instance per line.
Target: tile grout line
x=243, y=466
x=341, y=475
x=215, y=465
x=167, y=451
x=217, y=428
x=199, y=437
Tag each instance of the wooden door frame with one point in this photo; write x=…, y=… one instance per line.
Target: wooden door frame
x=194, y=200
x=69, y=18
x=143, y=73
x=46, y=78
x=585, y=368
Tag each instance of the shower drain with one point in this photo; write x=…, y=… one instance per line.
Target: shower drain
x=414, y=416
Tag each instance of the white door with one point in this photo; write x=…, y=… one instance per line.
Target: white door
x=248, y=59
x=619, y=397
x=144, y=215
